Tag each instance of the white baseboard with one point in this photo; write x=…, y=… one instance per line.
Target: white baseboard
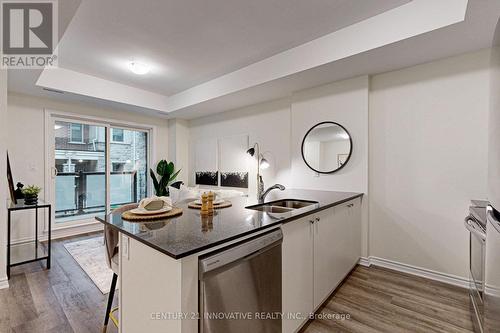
x=364, y=262
x=414, y=270
x=74, y=231
x=4, y=283
x=63, y=232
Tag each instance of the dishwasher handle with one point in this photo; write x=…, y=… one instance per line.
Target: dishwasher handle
x=243, y=250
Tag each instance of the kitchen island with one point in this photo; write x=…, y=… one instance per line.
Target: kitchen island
x=159, y=260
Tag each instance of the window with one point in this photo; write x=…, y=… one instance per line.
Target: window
x=118, y=166
x=84, y=176
x=76, y=133
x=117, y=135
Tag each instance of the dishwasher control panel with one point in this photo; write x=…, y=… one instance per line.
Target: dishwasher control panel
x=210, y=262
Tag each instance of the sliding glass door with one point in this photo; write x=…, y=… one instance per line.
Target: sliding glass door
x=128, y=155
x=80, y=162
x=97, y=167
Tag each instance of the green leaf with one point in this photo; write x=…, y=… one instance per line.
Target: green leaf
x=172, y=178
x=162, y=168
x=163, y=182
x=155, y=182
x=170, y=168
x=161, y=192
x=167, y=173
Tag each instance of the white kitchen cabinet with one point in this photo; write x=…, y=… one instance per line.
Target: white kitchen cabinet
x=355, y=229
x=337, y=247
x=155, y=289
x=328, y=252
x=297, y=272
x=318, y=253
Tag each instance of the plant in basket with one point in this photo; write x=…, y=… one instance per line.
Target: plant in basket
x=31, y=194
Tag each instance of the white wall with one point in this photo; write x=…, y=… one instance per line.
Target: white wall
x=344, y=102
x=26, y=142
x=3, y=178
x=280, y=126
x=494, y=126
x=178, y=147
x=428, y=157
x=268, y=124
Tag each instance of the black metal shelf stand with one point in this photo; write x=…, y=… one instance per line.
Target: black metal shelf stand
x=33, y=250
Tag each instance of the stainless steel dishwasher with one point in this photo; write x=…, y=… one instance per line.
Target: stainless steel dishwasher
x=240, y=287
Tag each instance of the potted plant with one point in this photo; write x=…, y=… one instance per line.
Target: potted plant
x=31, y=194
x=167, y=174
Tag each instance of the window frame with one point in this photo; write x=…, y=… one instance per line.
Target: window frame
x=51, y=117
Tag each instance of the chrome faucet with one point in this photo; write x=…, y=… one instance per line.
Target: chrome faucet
x=262, y=197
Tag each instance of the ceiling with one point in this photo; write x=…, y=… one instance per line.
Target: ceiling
x=189, y=42
x=213, y=56
x=23, y=80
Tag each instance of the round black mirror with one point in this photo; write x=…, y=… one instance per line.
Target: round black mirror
x=327, y=147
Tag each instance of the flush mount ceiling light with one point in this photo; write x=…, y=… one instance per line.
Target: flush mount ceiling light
x=138, y=68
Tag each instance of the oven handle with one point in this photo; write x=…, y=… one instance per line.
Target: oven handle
x=470, y=224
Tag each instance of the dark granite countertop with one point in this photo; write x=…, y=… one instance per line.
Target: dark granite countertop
x=189, y=233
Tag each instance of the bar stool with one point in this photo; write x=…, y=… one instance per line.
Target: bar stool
x=112, y=258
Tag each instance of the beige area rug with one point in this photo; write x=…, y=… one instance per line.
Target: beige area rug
x=90, y=255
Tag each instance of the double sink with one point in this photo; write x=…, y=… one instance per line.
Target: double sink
x=282, y=206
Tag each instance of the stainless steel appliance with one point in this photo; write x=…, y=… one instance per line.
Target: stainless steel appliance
x=483, y=223
x=491, y=311
x=491, y=295
x=240, y=287
x=476, y=224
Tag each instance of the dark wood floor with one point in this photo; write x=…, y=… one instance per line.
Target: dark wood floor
x=64, y=299
x=381, y=300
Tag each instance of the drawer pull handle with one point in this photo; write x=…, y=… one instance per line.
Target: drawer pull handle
x=350, y=205
x=317, y=219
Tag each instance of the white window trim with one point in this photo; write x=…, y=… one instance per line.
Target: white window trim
x=49, y=155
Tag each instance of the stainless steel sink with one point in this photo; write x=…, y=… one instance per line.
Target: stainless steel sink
x=294, y=204
x=282, y=206
x=270, y=209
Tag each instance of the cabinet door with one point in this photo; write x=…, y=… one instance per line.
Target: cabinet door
x=335, y=245
x=354, y=214
x=297, y=265
x=327, y=236
x=150, y=281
